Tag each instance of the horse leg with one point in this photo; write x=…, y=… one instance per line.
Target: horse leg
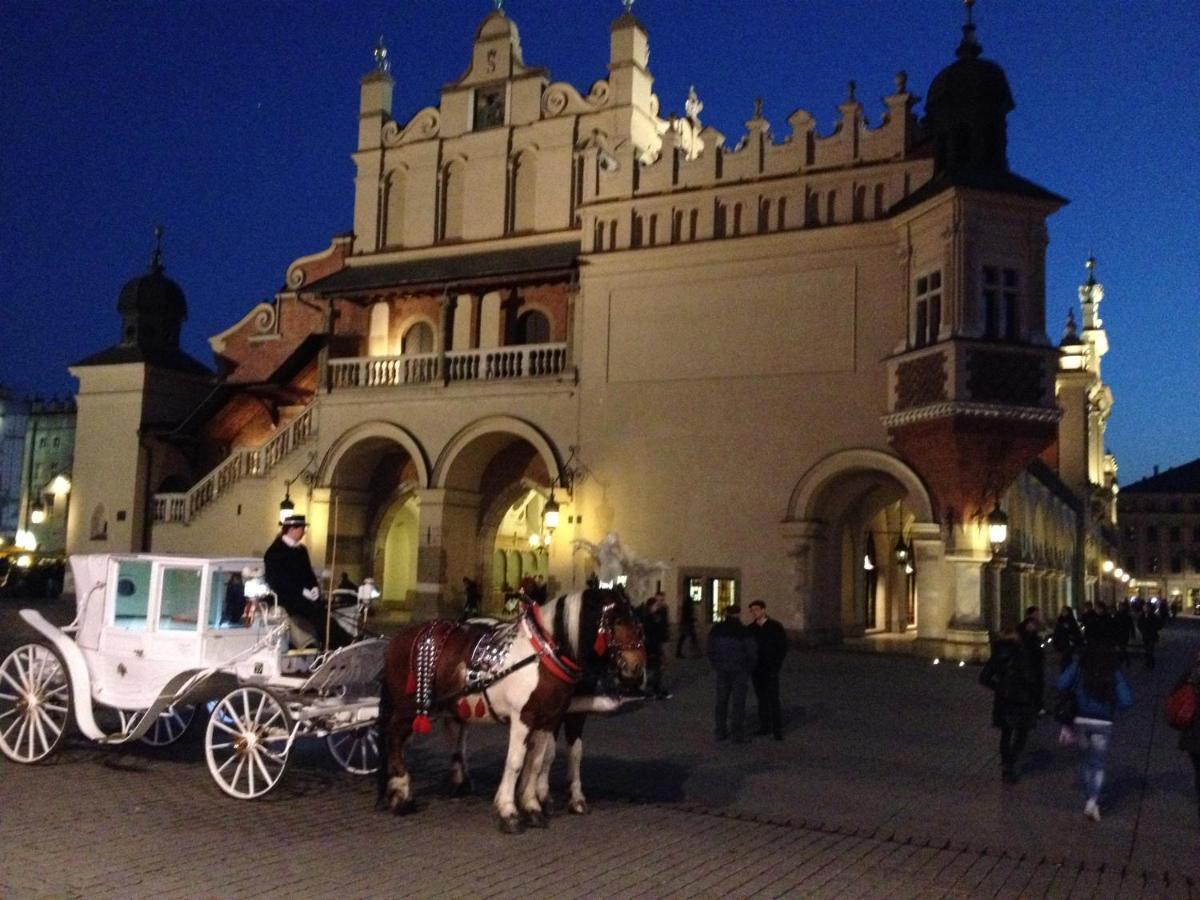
x=527, y=785
x=543, y=780
x=460, y=776
x=398, y=797
x=577, y=803
x=514, y=762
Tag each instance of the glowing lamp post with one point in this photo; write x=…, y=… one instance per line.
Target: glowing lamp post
x=997, y=525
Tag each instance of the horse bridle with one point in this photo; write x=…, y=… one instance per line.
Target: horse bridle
x=606, y=638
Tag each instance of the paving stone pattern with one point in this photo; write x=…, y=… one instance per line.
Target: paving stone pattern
x=886, y=785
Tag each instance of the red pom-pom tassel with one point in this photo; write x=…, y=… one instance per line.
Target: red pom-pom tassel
x=601, y=644
x=422, y=725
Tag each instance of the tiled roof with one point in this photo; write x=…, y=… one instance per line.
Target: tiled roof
x=1183, y=479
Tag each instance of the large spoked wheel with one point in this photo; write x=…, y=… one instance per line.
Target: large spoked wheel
x=247, y=742
x=35, y=703
x=168, y=728
x=356, y=751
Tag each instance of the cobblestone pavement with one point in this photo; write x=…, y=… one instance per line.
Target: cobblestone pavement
x=887, y=785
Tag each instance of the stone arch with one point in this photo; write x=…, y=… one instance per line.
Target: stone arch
x=802, y=505
x=476, y=436
x=394, y=189
x=523, y=190
x=453, y=199
x=366, y=431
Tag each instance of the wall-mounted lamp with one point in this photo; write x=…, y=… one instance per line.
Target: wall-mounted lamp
x=1107, y=566
x=287, y=507
x=902, y=550
x=997, y=523
x=37, y=513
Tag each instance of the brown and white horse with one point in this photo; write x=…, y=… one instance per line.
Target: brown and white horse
x=523, y=674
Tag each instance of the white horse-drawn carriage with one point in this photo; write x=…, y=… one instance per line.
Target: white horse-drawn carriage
x=153, y=643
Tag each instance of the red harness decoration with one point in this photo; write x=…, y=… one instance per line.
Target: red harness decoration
x=561, y=667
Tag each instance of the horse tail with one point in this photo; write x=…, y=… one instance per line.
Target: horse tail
x=383, y=727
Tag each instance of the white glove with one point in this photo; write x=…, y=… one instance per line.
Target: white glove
x=311, y=593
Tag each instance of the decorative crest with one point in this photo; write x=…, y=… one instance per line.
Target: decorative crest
x=380, y=54
x=693, y=105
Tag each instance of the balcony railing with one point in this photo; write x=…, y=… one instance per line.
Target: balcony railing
x=494, y=364
x=249, y=463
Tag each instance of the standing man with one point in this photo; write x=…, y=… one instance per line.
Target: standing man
x=656, y=632
x=291, y=577
x=1031, y=636
x=732, y=653
x=687, y=626
x=1010, y=675
x=771, y=643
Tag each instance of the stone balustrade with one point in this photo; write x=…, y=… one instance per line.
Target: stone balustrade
x=494, y=364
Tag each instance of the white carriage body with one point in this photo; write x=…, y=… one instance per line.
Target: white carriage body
x=141, y=619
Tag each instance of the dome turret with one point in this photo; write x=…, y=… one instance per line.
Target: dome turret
x=966, y=111
x=152, y=306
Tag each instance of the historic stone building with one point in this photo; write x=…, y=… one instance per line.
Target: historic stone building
x=803, y=368
x=1160, y=535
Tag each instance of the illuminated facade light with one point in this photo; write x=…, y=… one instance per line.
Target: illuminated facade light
x=1108, y=566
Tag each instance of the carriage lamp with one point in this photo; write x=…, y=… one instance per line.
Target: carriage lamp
x=37, y=513
x=901, y=550
x=287, y=507
x=997, y=522
x=550, y=512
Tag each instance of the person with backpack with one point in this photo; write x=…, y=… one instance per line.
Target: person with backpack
x=1100, y=689
x=1011, y=675
x=1189, y=734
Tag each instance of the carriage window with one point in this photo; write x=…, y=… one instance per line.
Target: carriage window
x=133, y=594
x=180, y=600
x=226, y=600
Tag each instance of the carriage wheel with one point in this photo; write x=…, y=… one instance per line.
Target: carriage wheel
x=247, y=742
x=356, y=751
x=35, y=703
x=170, y=726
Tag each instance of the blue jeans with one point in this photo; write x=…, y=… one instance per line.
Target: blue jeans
x=1094, y=738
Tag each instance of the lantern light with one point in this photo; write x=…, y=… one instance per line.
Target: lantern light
x=902, y=550
x=550, y=513
x=37, y=513
x=287, y=507
x=997, y=522
x=1107, y=566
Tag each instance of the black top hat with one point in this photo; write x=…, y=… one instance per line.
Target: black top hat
x=294, y=522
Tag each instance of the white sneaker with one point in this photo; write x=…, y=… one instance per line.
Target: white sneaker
x=1092, y=810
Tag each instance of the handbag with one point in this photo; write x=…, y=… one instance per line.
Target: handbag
x=1066, y=707
x=1181, y=706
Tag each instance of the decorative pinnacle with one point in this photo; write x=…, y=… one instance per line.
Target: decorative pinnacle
x=499, y=4
x=969, y=46
x=156, y=258
x=758, y=102
x=901, y=82
x=628, y=4
x=851, y=87
x=1090, y=265
x=380, y=54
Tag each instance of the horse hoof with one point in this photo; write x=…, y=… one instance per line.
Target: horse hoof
x=547, y=807
x=579, y=807
x=535, y=818
x=462, y=789
x=511, y=825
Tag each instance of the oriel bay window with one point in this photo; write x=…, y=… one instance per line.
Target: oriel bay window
x=1001, y=303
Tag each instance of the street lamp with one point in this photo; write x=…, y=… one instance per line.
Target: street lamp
x=287, y=507
x=901, y=550
x=550, y=512
x=997, y=523
x=1107, y=566
x=37, y=513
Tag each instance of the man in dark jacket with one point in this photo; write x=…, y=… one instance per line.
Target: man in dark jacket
x=656, y=633
x=1149, y=625
x=291, y=578
x=732, y=653
x=771, y=643
x=1010, y=675
x=1067, y=637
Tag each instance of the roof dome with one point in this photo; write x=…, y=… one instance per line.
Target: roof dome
x=153, y=293
x=966, y=112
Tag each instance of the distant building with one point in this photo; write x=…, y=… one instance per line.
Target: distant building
x=805, y=368
x=13, y=414
x=48, y=469
x=1160, y=534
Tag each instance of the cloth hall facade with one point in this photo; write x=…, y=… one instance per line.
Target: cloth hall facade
x=801, y=369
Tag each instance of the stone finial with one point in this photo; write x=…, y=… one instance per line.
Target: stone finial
x=499, y=4
x=851, y=87
x=901, y=82
x=1070, y=331
x=758, y=102
x=156, y=258
x=628, y=4
x=380, y=53
x=693, y=105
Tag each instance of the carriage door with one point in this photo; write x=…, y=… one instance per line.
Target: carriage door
x=176, y=644
x=120, y=672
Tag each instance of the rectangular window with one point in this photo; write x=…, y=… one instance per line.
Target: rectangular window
x=132, y=596
x=180, y=609
x=1001, y=296
x=927, y=321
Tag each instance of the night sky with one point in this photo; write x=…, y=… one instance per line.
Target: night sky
x=232, y=124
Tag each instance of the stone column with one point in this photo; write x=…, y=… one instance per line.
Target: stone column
x=816, y=603
x=448, y=527
x=967, y=634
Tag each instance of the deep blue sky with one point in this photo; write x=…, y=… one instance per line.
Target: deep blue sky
x=232, y=125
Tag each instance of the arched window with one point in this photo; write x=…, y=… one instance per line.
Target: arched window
x=652, y=230
x=99, y=523
x=676, y=226
x=377, y=335
x=812, y=204
x=831, y=207
x=599, y=238
x=879, y=201
x=453, y=193
x=418, y=339
x=859, y=211
x=693, y=224
x=764, y=216
x=393, y=208
x=523, y=195
x=635, y=231
x=737, y=219
x=533, y=328
x=719, y=220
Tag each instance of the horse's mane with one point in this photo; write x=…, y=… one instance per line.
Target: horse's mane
x=574, y=620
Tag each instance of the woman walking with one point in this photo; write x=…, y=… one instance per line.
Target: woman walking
x=1189, y=738
x=1100, y=689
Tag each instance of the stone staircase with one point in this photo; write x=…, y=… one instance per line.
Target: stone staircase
x=255, y=462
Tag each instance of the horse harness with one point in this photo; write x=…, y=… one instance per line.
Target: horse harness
x=485, y=669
